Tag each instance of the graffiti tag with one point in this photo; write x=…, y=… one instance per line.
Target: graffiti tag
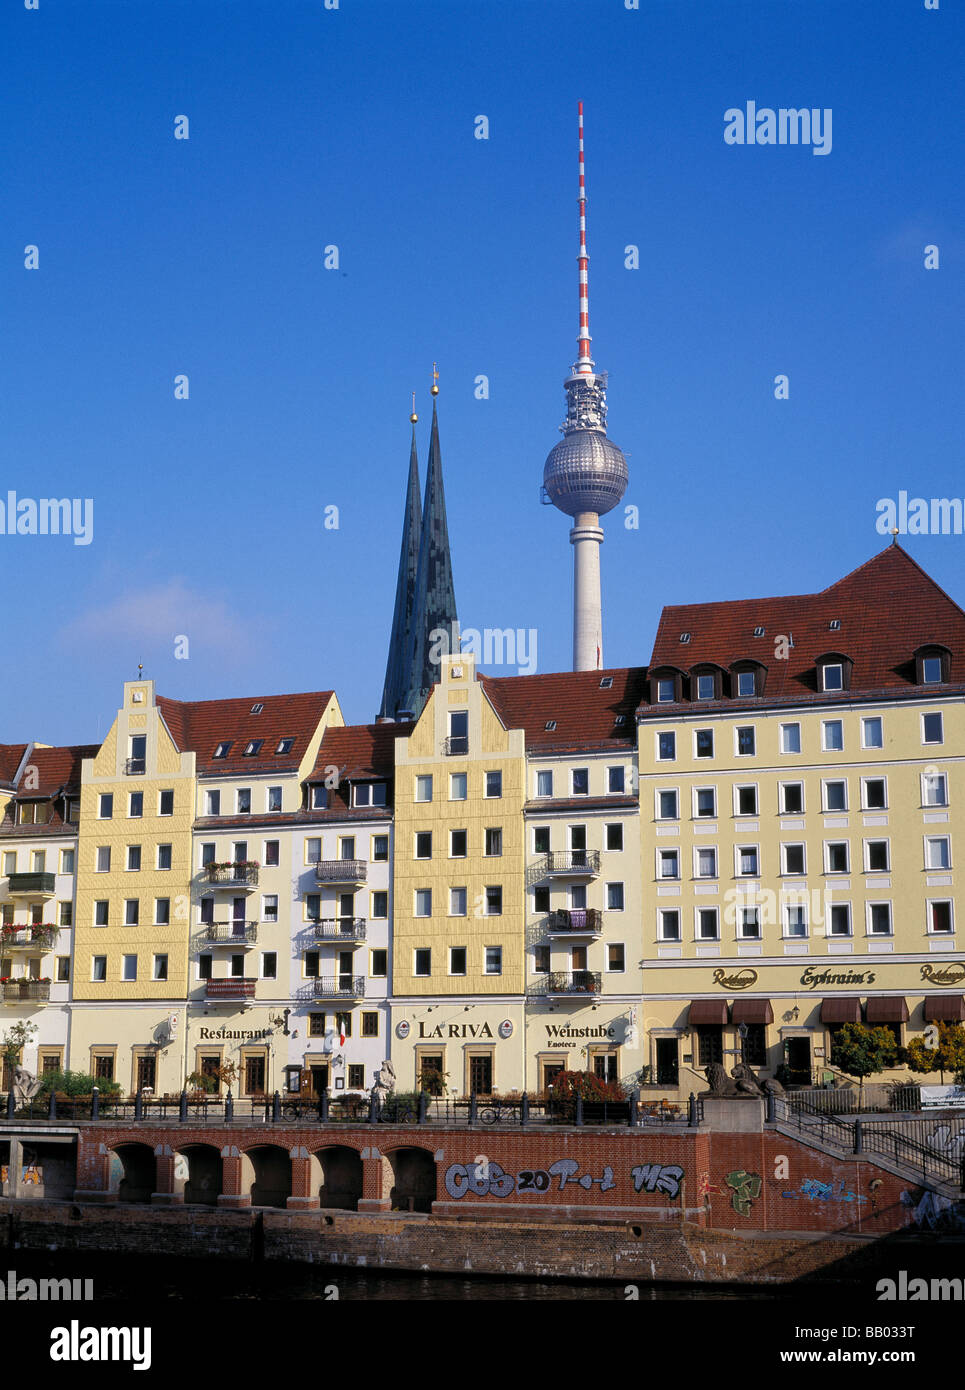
x=813, y=1190
x=491, y=1181
x=657, y=1177
x=747, y=1187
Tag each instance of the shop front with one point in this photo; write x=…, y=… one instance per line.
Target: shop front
x=459, y=1049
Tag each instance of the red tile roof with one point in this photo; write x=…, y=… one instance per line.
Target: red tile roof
x=56, y=769
x=887, y=608
x=10, y=758
x=200, y=725
x=360, y=751
x=585, y=713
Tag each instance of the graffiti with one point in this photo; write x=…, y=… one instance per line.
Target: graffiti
x=657, y=1177
x=706, y=1189
x=932, y=1212
x=30, y=1175
x=747, y=1187
x=943, y=1139
x=813, y=1190
x=490, y=1180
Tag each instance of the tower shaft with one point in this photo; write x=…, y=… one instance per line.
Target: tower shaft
x=586, y=538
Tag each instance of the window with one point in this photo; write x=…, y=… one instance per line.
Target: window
x=937, y=853
x=931, y=670
x=370, y=1025
x=320, y=798
x=212, y=803
x=614, y=897
x=606, y=682
x=835, y=796
x=133, y=858
x=871, y=733
x=839, y=920
x=98, y=968
x=66, y=914
x=313, y=850
x=705, y=801
x=378, y=964
x=541, y=839
x=577, y=896
x=747, y=860
x=934, y=789
x=274, y=799
x=165, y=803
x=105, y=806
x=667, y=806
x=104, y=1066
x=311, y=965
x=162, y=912
x=746, y=684
x=10, y=861
x=746, y=741
x=135, y=805
x=705, y=687
x=746, y=801
x=316, y=1025
x=380, y=904
x=940, y=917
x=581, y=781
x=665, y=690
x=492, y=960
x=458, y=731
x=63, y=972
x=243, y=801
x=269, y=965
x=458, y=786
x=204, y=967
x=544, y=783
x=875, y=793
x=704, y=743
x=615, y=958
x=239, y=851
x=457, y=902
x=164, y=856
x=423, y=902
x=613, y=837
x=129, y=968
x=668, y=924
x=616, y=779
x=252, y=748
x=931, y=729
x=367, y=794
x=667, y=746
x=790, y=738
x=879, y=919
x=423, y=789
x=877, y=857
x=101, y=909
x=749, y=923
x=223, y=749
x=285, y=745
x=422, y=962
x=423, y=843
x=494, y=842
x=795, y=921
x=707, y=924
x=269, y=907
x=706, y=863
x=494, y=784
x=832, y=676
x=541, y=960
x=103, y=859
x=668, y=863
x=458, y=844
x=836, y=857
x=380, y=849
x=132, y=912
x=794, y=859
x=832, y=735
x=494, y=901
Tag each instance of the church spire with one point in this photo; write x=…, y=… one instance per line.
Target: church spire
x=397, y=678
x=434, y=608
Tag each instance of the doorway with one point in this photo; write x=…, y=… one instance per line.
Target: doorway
x=668, y=1061
x=797, y=1057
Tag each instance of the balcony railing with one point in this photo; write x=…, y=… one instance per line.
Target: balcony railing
x=31, y=885
x=15, y=991
x=339, y=929
x=339, y=987
x=135, y=767
x=561, y=982
x=28, y=938
x=230, y=989
x=232, y=933
x=340, y=871
x=233, y=875
x=456, y=745
x=587, y=921
x=577, y=863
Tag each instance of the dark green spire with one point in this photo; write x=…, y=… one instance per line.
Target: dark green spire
x=397, y=669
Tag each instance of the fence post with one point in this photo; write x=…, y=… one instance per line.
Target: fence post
x=373, y=1110
x=275, y=1108
x=423, y=1108
x=138, y=1106
x=579, y=1109
x=95, y=1102
x=473, y=1109
x=858, y=1136
x=769, y=1108
x=323, y=1107
x=10, y=1104
x=524, y=1110
x=692, y=1111
x=52, y=1109
x=632, y=1120
x=229, y=1107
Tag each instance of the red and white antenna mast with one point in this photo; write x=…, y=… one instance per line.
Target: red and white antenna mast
x=584, y=362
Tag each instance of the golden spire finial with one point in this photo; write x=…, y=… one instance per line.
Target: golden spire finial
x=414, y=417
x=435, y=380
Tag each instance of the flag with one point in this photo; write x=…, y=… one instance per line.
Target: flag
x=341, y=1031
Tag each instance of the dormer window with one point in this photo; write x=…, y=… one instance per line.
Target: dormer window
x=932, y=665
x=832, y=676
x=223, y=749
x=833, y=671
x=705, y=687
x=745, y=683
x=931, y=670
x=665, y=690
x=252, y=748
x=285, y=745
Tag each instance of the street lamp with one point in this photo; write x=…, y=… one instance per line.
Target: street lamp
x=742, y=1034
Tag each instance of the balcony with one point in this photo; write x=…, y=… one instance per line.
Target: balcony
x=26, y=991
x=232, y=933
x=456, y=745
x=31, y=885
x=561, y=984
x=28, y=938
x=237, y=877
x=339, y=987
x=229, y=991
x=135, y=767
x=341, y=871
x=341, y=929
x=573, y=863
x=576, y=922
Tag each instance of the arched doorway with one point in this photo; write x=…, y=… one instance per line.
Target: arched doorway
x=202, y=1183
x=341, y=1184
x=270, y=1181
x=413, y=1180
x=133, y=1172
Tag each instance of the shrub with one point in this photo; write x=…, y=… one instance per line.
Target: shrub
x=76, y=1083
x=570, y=1084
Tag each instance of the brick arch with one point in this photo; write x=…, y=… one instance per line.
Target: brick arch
x=266, y=1174
x=132, y=1171
x=203, y=1184
x=410, y=1177
x=337, y=1176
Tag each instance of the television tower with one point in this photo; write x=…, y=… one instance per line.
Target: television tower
x=585, y=475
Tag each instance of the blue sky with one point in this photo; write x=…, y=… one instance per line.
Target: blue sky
x=355, y=127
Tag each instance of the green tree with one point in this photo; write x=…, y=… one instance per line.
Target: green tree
x=863, y=1051
x=14, y=1040
x=949, y=1055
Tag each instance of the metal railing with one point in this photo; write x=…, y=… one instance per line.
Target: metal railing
x=232, y=933
x=235, y=987
x=456, y=745
x=338, y=987
x=850, y=1100
x=29, y=991
x=339, y=929
x=578, y=862
x=567, y=982
x=135, y=767
x=30, y=937
x=575, y=921
x=340, y=871
x=32, y=883
x=235, y=876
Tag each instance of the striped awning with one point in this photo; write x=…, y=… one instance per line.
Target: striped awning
x=894, y=1010
x=708, y=1011
x=841, y=1010
x=945, y=1008
x=752, y=1011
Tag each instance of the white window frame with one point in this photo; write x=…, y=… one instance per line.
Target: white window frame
x=929, y=929
x=927, y=777
x=487, y=794
x=794, y=873
x=465, y=902
x=826, y=726
x=742, y=925
x=747, y=786
x=697, y=933
x=781, y=790
x=660, y=791
x=706, y=849
x=415, y=902
x=835, y=782
x=455, y=777
x=737, y=733
x=422, y=778
x=746, y=694
x=544, y=774
x=615, y=969
x=616, y=883
x=457, y=974
x=787, y=934
x=865, y=854
x=661, y=854
x=872, y=719
x=658, y=757
x=880, y=902
x=663, y=912
x=705, y=757
x=498, y=960
x=932, y=714
x=864, y=793
x=945, y=840
x=694, y=808
x=790, y=752
x=738, y=871
x=832, y=666
x=839, y=935
x=827, y=856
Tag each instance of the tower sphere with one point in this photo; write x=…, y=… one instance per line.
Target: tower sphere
x=585, y=472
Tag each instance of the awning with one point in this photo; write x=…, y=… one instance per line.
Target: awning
x=752, y=1011
x=708, y=1011
x=887, y=1011
x=945, y=1008
x=846, y=1010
